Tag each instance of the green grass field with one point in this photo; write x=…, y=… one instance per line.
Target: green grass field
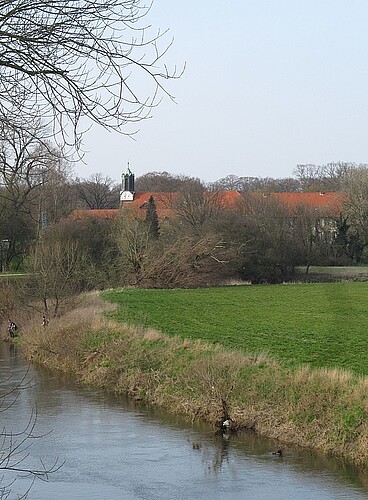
x=324, y=325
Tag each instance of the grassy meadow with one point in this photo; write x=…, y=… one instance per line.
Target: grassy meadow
x=322, y=325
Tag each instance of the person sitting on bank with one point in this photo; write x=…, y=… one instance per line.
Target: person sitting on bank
x=12, y=328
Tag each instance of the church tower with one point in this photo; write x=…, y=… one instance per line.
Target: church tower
x=127, y=186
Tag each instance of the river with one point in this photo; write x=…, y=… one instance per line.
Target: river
x=110, y=448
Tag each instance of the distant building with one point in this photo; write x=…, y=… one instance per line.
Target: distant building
x=127, y=186
x=326, y=204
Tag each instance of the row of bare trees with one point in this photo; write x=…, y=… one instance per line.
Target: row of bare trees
x=332, y=176
x=202, y=242
x=37, y=189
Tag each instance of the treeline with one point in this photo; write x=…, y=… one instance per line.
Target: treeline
x=306, y=178
x=37, y=190
x=201, y=243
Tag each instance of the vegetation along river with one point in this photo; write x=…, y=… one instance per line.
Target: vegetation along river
x=109, y=448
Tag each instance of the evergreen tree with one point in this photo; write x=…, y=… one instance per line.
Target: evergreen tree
x=152, y=219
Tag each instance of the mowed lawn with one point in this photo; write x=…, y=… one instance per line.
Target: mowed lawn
x=324, y=325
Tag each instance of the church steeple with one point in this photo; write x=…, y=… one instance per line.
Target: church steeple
x=127, y=185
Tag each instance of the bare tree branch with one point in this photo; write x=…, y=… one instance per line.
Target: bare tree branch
x=67, y=60
x=97, y=192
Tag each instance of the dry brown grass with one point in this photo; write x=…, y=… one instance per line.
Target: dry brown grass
x=151, y=334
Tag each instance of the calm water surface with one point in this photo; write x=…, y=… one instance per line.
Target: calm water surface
x=113, y=449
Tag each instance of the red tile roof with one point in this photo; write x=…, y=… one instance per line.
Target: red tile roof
x=328, y=202
x=165, y=202
x=229, y=199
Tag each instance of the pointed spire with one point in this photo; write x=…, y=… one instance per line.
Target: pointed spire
x=127, y=185
x=128, y=171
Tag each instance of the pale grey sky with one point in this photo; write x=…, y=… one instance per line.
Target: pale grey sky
x=268, y=84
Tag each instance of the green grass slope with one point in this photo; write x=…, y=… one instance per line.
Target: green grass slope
x=323, y=325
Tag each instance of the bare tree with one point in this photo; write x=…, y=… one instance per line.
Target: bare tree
x=272, y=253
x=56, y=271
x=196, y=208
x=97, y=192
x=356, y=211
x=26, y=165
x=187, y=261
x=164, y=182
x=248, y=184
x=328, y=177
x=56, y=194
x=66, y=60
x=96, y=240
x=24, y=160
x=315, y=232
x=133, y=241
x=229, y=183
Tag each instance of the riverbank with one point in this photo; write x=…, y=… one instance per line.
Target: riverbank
x=321, y=409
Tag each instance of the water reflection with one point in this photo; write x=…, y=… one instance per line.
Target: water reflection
x=114, y=448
